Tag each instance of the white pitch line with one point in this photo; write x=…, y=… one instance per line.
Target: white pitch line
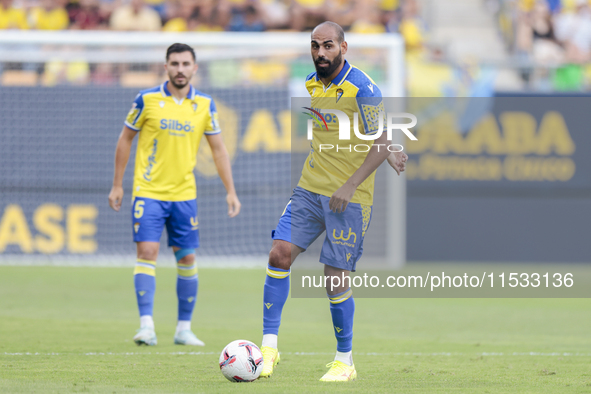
x=484, y=354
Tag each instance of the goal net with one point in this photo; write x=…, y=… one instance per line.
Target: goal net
x=63, y=99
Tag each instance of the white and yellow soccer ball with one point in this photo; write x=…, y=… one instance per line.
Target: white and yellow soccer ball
x=241, y=361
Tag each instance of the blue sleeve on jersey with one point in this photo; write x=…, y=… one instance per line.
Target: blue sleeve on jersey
x=135, y=113
x=214, y=127
x=370, y=103
x=310, y=76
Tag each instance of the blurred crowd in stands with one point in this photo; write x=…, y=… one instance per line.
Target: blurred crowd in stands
x=550, y=39
x=359, y=16
x=364, y=16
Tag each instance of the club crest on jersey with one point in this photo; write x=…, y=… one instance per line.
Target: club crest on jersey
x=339, y=94
x=162, y=104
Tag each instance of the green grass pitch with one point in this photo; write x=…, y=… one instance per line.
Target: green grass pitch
x=66, y=329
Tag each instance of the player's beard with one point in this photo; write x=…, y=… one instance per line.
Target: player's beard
x=332, y=65
x=176, y=85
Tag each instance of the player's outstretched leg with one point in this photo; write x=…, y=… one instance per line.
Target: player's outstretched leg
x=342, y=309
x=186, y=289
x=144, y=278
x=275, y=294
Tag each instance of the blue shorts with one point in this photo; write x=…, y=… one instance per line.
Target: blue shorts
x=149, y=216
x=307, y=215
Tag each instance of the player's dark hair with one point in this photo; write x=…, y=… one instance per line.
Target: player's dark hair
x=179, y=48
x=337, y=29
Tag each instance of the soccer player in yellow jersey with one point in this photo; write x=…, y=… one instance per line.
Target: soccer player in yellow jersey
x=334, y=194
x=170, y=120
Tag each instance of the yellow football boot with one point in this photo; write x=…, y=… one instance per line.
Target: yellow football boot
x=339, y=372
x=270, y=360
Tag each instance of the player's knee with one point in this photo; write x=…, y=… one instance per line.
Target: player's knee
x=280, y=257
x=338, y=280
x=187, y=260
x=148, y=253
x=185, y=256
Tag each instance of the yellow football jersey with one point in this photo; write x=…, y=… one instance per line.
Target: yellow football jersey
x=170, y=132
x=326, y=170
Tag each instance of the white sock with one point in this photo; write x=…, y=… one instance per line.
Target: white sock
x=183, y=325
x=344, y=357
x=146, y=321
x=270, y=340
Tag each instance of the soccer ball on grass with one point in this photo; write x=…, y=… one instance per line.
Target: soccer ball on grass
x=241, y=361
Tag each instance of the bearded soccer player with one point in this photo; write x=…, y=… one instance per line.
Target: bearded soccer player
x=170, y=120
x=334, y=194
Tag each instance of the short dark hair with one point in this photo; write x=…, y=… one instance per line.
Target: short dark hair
x=179, y=48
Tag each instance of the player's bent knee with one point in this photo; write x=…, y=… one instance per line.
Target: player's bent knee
x=280, y=256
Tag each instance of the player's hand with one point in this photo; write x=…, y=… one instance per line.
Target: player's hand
x=233, y=205
x=398, y=161
x=115, y=197
x=341, y=198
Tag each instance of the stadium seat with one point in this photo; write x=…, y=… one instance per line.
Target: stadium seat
x=19, y=78
x=138, y=79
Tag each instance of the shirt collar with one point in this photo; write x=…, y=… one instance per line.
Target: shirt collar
x=341, y=76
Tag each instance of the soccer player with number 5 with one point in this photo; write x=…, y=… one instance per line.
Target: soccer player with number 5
x=170, y=120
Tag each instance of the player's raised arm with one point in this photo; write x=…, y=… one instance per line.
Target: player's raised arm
x=224, y=168
x=121, y=158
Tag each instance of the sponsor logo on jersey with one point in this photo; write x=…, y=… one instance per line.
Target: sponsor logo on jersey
x=317, y=118
x=175, y=125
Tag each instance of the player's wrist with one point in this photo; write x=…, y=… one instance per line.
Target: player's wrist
x=352, y=183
